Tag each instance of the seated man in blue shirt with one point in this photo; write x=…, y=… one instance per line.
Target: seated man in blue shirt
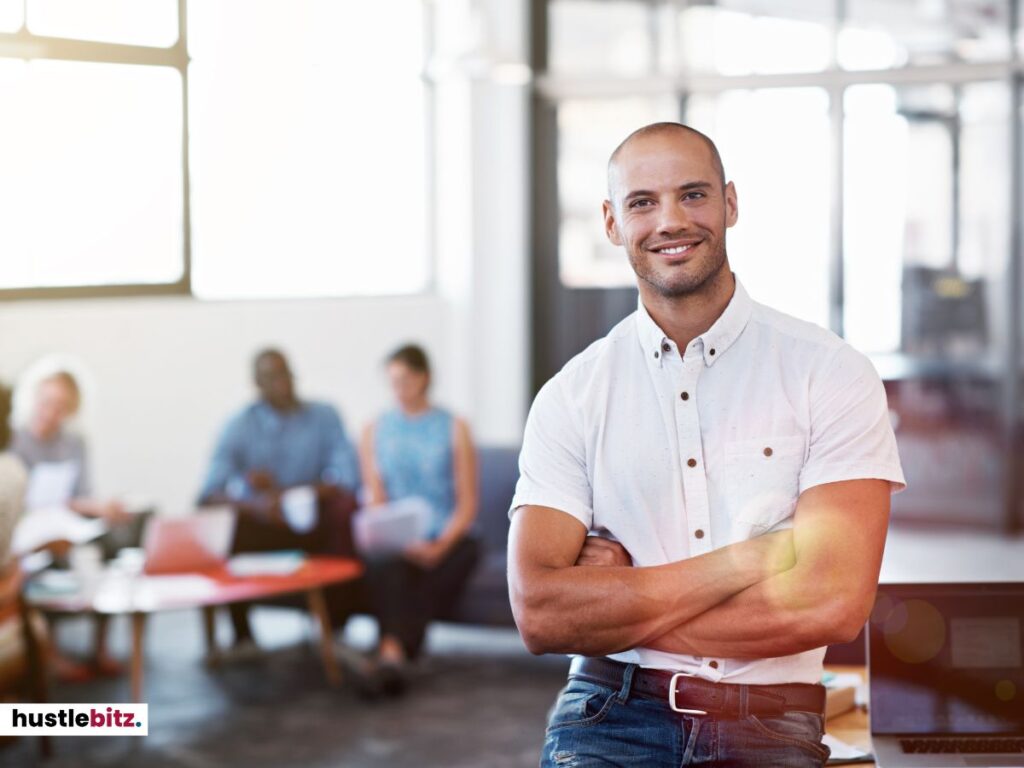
x=277, y=443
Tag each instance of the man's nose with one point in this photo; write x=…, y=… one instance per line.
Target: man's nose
x=672, y=219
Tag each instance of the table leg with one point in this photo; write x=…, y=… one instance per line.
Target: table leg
x=318, y=607
x=138, y=628
x=210, y=630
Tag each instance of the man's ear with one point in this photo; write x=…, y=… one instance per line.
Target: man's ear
x=611, y=229
x=732, y=211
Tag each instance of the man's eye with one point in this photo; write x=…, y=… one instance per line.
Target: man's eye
x=694, y=196
x=641, y=203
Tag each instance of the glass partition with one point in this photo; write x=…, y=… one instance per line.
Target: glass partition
x=871, y=144
x=742, y=37
x=880, y=34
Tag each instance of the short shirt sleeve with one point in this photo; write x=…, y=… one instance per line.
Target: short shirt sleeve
x=851, y=435
x=552, y=463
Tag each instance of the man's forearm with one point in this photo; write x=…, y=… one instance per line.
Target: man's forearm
x=838, y=535
x=783, y=615
x=594, y=610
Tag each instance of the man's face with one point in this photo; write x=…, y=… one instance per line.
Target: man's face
x=274, y=381
x=670, y=211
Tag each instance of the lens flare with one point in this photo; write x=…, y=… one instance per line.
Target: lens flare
x=915, y=631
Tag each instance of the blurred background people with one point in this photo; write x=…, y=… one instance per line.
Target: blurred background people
x=271, y=446
x=46, y=438
x=417, y=449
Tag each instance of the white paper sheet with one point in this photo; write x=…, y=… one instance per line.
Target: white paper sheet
x=50, y=484
x=841, y=750
x=42, y=526
x=391, y=527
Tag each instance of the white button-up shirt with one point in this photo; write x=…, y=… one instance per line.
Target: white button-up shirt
x=678, y=452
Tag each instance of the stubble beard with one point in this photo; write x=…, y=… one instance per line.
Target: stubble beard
x=678, y=286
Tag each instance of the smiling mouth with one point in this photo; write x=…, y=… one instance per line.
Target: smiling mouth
x=676, y=250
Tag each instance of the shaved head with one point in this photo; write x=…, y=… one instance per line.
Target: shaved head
x=655, y=129
x=669, y=207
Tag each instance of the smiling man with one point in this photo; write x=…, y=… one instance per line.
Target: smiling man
x=703, y=498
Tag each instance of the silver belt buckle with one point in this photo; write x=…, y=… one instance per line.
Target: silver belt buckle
x=672, y=696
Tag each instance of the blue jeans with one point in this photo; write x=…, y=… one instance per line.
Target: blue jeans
x=592, y=725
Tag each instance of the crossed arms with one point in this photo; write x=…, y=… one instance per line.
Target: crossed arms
x=775, y=595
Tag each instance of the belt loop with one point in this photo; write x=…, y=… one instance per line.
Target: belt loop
x=744, y=702
x=627, y=683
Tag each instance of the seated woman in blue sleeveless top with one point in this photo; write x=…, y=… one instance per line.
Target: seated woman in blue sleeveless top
x=418, y=449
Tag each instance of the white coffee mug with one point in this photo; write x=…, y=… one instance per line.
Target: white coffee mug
x=298, y=505
x=86, y=561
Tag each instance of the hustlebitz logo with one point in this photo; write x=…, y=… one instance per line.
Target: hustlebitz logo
x=75, y=719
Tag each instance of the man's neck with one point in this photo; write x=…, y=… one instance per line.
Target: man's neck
x=284, y=408
x=684, y=318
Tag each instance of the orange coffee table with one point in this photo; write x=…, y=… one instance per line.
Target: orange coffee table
x=139, y=596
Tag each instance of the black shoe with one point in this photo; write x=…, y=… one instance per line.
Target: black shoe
x=360, y=671
x=393, y=679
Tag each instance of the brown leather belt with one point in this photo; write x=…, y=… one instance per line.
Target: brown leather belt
x=691, y=695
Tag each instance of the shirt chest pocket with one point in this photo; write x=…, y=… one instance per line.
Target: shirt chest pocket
x=762, y=482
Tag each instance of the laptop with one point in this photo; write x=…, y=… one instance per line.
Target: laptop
x=196, y=542
x=946, y=676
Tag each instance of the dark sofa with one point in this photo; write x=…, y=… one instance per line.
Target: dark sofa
x=485, y=600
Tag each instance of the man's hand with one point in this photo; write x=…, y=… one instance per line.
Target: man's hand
x=114, y=512
x=598, y=550
x=261, y=480
x=326, y=491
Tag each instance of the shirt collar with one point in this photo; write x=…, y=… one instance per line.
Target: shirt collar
x=270, y=415
x=713, y=342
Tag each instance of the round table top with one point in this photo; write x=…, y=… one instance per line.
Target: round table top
x=117, y=593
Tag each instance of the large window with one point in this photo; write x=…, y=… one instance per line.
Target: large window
x=92, y=189
x=269, y=148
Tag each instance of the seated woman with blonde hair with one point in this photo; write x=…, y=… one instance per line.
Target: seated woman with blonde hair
x=46, y=439
x=418, y=449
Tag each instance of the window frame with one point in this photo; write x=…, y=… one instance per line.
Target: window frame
x=26, y=46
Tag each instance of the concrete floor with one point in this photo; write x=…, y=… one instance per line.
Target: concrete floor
x=480, y=701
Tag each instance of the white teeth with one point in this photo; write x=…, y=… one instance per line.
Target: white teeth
x=674, y=251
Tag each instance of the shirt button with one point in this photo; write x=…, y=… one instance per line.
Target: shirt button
x=768, y=451
x=711, y=351
x=713, y=664
x=684, y=395
x=691, y=462
x=666, y=347
x=698, y=534
x=656, y=353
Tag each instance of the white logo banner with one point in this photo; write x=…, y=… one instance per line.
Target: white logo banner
x=74, y=719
